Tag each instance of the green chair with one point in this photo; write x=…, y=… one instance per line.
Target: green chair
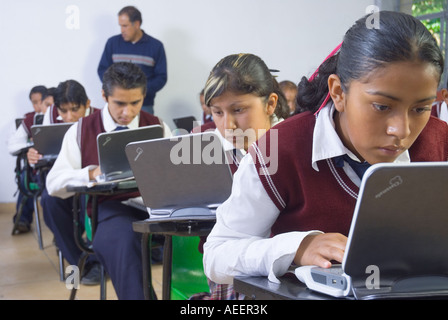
x=187, y=274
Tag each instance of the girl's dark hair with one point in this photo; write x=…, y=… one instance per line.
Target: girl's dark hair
x=49, y=92
x=124, y=75
x=38, y=89
x=70, y=91
x=400, y=37
x=244, y=73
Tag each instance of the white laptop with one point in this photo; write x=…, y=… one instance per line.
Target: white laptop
x=180, y=178
x=398, y=241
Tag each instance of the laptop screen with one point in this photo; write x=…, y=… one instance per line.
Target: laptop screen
x=186, y=170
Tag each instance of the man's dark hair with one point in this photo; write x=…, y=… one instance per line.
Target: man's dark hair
x=133, y=13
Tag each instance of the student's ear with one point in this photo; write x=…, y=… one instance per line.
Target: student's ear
x=444, y=95
x=272, y=103
x=88, y=104
x=104, y=95
x=336, y=92
x=137, y=24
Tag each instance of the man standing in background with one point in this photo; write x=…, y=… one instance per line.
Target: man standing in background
x=134, y=45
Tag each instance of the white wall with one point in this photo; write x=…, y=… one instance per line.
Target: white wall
x=38, y=47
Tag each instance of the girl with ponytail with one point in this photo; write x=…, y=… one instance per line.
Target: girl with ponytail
x=369, y=102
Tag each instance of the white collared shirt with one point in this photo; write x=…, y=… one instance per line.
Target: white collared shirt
x=240, y=242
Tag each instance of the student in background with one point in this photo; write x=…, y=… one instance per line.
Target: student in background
x=36, y=96
x=115, y=243
x=245, y=101
x=70, y=104
x=206, y=113
x=290, y=91
x=22, y=136
x=40, y=97
x=369, y=102
x=440, y=108
x=73, y=104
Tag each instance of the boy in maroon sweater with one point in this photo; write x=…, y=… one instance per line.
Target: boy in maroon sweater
x=115, y=243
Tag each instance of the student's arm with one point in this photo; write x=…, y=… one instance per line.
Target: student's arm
x=18, y=140
x=240, y=242
x=67, y=167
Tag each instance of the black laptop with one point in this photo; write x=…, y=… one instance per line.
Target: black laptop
x=111, y=150
x=397, y=245
x=182, y=177
x=47, y=139
x=186, y=123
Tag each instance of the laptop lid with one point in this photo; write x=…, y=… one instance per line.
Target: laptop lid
x=186, y=123
x=181, y=172
x=400, y=230
x=111, y=149
x=47, y=139
x=18, y=122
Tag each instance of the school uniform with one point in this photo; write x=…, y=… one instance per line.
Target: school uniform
x=440, y=110
x=116, y=245
x=58, y=212
x=298, y=189
x=19, y=140
x=233, y=157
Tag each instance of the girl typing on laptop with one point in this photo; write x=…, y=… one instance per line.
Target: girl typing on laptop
x=369, y=102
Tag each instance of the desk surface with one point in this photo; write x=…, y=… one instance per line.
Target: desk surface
x=187, y=228
x=105, y=187
x=289, y=288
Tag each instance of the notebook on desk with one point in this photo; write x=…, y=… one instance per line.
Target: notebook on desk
x=111, y=150
x=47, y=139
x=184, y=177
x=397, y=244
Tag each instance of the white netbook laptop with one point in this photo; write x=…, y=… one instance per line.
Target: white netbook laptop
x=47, y=139
x=182, y=177
x=398, y=241
x=111, y=150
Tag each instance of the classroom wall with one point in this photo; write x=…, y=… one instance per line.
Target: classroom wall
x=48, y=41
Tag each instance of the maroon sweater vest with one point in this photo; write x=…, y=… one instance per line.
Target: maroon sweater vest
x=88, y=129
x=27, y=122
x=325, y=199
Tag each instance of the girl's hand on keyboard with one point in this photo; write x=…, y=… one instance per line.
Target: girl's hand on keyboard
x=321, y=249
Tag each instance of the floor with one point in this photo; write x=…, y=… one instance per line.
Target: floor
x=28, y=273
